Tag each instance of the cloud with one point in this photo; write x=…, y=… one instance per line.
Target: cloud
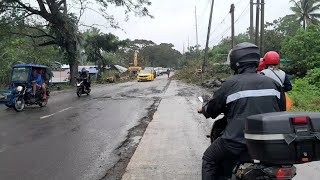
x=174, y=20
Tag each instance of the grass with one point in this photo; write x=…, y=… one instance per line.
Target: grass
x=305, y=96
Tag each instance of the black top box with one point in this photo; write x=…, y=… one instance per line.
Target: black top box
x=284, y=138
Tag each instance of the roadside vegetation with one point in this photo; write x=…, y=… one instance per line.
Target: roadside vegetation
x=54, y=33
x=295, y=36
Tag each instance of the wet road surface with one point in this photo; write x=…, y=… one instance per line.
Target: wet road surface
x=92, y=137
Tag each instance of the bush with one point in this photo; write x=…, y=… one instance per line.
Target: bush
x=313, y=77
x=191, y=73
x=305, y=96
x=302, y=51
x=220, y=71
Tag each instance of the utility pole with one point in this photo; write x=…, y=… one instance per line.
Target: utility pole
x=232, y=25
x=197, y=40
x=188, y=44
x=65, y=10
x=205, y=62
x=183, y=49
x=251, y=22
x=257, y=23
x=262, y=29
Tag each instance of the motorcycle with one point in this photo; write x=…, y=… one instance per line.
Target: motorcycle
x=24, y=97
x=81, y=89
x=20, y=92
x=245, y=168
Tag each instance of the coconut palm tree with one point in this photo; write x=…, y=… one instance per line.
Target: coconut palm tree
x=306, y=11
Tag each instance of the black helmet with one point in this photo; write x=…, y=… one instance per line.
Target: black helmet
x=83, y=70
x=243, y=54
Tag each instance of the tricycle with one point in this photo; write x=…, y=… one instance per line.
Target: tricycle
x=29, y=86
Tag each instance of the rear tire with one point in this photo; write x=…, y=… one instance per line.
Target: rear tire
x=19, y=104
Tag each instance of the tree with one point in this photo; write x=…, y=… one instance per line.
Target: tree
x=126, y=53
x=287, y=25
x=219, y=53
x=16, y=49
x=306, y=11
x=278, y=30
x=62, y=28
x=302, y=51
x=97, y=44
x=162, y=55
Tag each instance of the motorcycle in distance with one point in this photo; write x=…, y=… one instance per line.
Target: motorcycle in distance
x=81, y=89
x=20, y=93
x=275, y=156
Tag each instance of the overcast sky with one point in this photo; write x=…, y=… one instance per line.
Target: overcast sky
x=174, y=20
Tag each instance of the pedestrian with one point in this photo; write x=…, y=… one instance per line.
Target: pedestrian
x=168, y=72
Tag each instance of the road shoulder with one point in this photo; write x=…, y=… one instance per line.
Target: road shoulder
x=173, y=143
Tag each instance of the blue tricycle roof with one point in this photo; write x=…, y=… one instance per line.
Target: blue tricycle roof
x=30, y=65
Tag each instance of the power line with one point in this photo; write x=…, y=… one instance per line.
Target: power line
x=238, y=2
x=227, y=30
x=221, y=22
x=218, y=26
x=227, y=15
x=245, y=10
x=205, y=11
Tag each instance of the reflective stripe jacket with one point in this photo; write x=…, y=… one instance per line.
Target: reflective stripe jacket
x=243, y=95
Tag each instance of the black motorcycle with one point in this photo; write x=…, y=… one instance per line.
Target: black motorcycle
x=276, y=153
x=24, y=97
x=81, y=88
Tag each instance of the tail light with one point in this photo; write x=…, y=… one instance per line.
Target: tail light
x=286, y=173
x=300, y=120
x=282, y=172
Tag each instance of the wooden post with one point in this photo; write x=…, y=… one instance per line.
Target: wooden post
x=205, y=62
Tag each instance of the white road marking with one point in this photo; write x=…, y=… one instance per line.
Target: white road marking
x=43, y=117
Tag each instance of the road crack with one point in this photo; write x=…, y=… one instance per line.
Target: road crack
x=127, y=148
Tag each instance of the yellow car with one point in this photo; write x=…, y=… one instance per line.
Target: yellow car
x=145, y=75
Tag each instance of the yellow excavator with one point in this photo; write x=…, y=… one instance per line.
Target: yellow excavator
x=133, y=70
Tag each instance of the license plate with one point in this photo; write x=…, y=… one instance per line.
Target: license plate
x=143, y=78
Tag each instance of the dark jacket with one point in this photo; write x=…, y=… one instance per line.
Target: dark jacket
x=84, y=75
x=243, y=95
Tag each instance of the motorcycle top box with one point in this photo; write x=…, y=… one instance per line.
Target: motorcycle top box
x=284, y=138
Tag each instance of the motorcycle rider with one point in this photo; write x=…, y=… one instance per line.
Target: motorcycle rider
x=244, y=94
x=84, y=75
x=272, y=61
x=36, y=81
x=45, y=82
x=261, y=66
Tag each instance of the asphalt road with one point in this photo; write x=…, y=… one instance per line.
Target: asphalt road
x=92, y=137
